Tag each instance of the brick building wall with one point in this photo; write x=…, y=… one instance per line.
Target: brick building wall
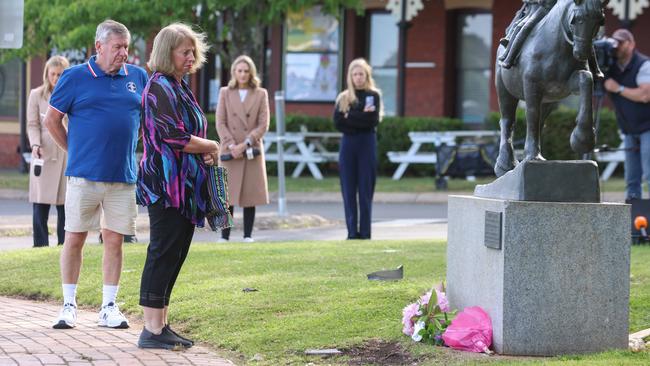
x=9, y=157
x=427, y=42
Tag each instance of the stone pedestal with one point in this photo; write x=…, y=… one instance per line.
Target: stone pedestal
x=554, y=277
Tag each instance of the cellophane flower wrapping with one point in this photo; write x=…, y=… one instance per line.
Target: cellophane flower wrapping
x=470, y=331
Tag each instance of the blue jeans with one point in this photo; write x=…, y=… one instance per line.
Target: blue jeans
x=637, y=163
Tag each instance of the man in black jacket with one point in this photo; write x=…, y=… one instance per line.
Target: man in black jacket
x=629, y=88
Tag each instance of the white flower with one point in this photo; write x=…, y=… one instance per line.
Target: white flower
x=416, y=331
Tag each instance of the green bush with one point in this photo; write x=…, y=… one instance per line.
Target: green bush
x=557, y=130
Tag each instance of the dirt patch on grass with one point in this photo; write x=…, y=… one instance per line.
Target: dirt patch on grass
x=384, y=353
x=378, y=352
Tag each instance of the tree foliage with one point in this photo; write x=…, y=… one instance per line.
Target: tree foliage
x=234, y=27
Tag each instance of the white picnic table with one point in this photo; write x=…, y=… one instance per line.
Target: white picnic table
x=612, y=158
x=437, y=139
x=305, y=148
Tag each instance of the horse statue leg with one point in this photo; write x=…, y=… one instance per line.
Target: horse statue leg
x=536, y=112
x=583, y=137
x=506, y=160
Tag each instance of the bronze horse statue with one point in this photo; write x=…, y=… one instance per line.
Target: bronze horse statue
x=553, y=63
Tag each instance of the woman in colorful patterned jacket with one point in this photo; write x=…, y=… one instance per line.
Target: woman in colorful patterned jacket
x=172, y=179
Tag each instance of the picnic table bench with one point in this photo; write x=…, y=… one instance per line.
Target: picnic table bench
x=305, y=148
x=437, y=139
x=612, y=158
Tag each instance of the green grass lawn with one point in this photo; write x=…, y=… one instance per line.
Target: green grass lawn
x=13, y=179
x=310, y=295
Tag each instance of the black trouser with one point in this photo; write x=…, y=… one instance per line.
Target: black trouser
x=170, y=238
x=39, y=221
x=249, y=220
x=358, y=174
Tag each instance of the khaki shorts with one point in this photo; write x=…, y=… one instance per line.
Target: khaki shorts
x=93, y=205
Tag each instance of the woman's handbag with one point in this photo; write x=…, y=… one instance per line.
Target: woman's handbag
x=218, y=215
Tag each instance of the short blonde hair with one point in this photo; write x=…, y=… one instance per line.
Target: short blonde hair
x=167, y=40
x=253, y=82
x=54, y=61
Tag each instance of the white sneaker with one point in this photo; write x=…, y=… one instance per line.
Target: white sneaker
x=110, y=316
x=249, y=240
x=67, y=317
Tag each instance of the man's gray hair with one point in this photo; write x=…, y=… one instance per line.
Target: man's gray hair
x=109, y=27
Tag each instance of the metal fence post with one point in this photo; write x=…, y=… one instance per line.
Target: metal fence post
x=279, y=128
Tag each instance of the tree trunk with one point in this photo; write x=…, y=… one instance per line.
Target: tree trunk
x=244, y=35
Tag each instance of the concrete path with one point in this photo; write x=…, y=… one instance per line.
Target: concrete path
x=27, y=338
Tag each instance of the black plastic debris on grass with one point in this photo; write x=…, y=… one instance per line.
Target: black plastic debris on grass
x=387, y=275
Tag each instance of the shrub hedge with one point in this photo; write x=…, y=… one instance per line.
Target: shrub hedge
x=392, y=135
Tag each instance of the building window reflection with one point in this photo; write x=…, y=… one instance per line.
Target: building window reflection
x=311, y=59
x=383, y=57
x=474, y=74
x=9, y=89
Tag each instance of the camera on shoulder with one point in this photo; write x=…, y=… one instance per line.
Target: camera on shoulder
x=606, y=54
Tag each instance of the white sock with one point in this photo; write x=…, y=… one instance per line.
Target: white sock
x=70, y=293
x=109, y=293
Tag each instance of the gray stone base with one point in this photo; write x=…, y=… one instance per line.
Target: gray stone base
x=546, y=181
x=559, y=284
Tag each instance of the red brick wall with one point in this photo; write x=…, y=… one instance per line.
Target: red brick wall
x=9, y=158
x=430, y=92
x=426, y=42
x=640, y=28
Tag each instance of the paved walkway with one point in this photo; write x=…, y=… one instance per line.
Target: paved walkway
x=27, y=338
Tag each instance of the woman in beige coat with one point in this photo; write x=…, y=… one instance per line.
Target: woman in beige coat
x=46, y=182
x=242, y=121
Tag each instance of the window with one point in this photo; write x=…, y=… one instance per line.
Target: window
x=9, y=88
x=474, y=74
x=383, y=57
x=312, y=56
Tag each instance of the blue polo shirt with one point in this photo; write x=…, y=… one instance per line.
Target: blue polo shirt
x=103, y=120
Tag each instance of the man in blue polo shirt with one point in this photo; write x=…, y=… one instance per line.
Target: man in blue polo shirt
x=102, y=100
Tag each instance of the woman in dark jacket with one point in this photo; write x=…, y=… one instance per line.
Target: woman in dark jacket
x=357, y=113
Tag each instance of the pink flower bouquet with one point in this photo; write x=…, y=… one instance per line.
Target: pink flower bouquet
x=426, y=320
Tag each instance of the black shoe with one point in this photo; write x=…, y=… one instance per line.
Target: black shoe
x=187, y=343
x=130, y=239
x=164, y=340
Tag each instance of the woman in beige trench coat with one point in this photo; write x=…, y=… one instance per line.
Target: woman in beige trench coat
x=46, y=187
x=242, y=121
